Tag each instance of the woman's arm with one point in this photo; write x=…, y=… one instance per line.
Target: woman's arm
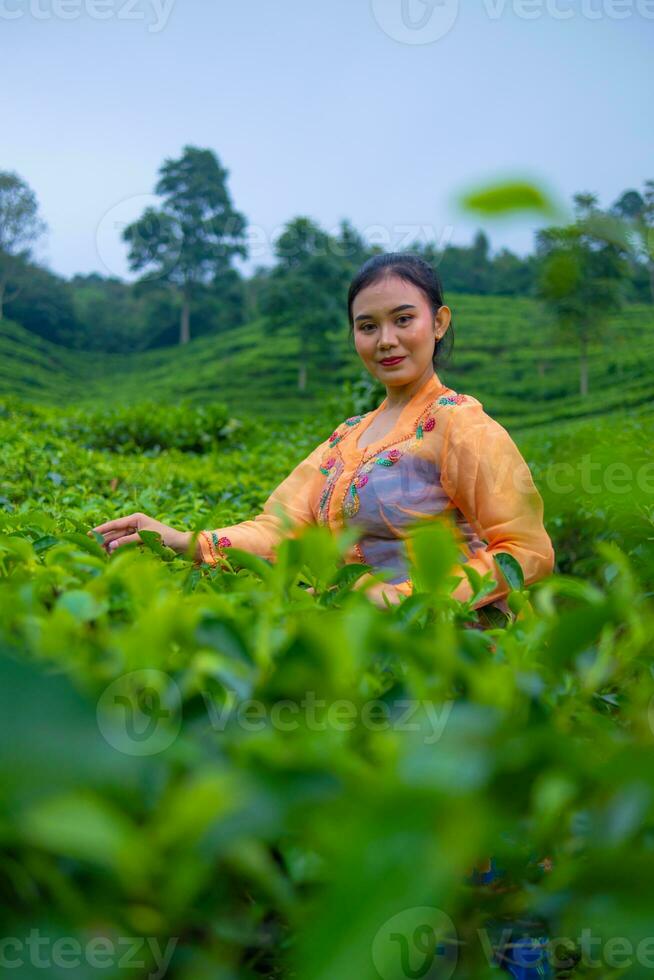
x=288, y=508
x=487, y=478
x=289, y=504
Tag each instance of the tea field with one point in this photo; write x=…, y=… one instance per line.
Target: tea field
x=504, y=352
x=214, y=774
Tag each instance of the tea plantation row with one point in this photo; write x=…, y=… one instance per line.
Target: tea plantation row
x=214, y=774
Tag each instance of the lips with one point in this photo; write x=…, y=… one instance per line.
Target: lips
x=392, y=360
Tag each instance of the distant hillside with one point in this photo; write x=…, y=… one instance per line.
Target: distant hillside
x=501, y=356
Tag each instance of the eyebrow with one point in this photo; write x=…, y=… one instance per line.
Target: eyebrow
x=369, y=316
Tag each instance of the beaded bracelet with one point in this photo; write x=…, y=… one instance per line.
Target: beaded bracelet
x=215, y=546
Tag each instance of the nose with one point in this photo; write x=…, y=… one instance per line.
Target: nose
x=387, y=335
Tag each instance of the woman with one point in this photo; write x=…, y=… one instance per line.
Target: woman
x=426, y=451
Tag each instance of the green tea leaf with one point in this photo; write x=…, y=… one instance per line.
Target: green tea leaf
x=508, y=197
x=511, y=569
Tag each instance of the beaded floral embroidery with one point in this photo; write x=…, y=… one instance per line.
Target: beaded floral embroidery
x=426, y=423
x=216, y=545
x=339, y=433
x=351, y=502
x=332, y=466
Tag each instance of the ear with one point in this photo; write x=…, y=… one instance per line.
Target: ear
x=442, y=321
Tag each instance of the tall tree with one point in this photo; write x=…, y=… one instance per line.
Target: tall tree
x=192, y=238
x=20, y=229
x=512, y=275
x=465, y=269
x=306, y=290
x=581, y=277
x=42, y=302
x=638, y=211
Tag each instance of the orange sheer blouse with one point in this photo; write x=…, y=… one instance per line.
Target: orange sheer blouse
x=443, y=456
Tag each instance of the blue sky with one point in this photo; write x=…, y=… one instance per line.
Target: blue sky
x=379, y=111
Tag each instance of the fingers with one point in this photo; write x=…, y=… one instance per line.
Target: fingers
x=120, y=523
x=125, y=539
x=380, y=593
x=114, y=535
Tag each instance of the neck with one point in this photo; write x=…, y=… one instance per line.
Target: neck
x=398, y=395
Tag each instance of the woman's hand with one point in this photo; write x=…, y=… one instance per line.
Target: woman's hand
x=123, y=530
x=378, y=592
x=375, y=591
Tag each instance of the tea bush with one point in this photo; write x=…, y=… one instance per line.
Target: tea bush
x=216, y=774
x=151, y=426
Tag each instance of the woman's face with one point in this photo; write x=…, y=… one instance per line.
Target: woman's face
x=393, y=319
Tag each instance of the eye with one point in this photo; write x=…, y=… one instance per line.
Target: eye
x=405, y=316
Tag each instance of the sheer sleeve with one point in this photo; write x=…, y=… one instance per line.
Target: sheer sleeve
x=487, y=479
x=289, y=507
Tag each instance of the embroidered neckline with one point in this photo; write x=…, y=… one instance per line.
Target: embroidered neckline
x=337, y=435
x=417, y=427
x=424, y=422
x=333, y=465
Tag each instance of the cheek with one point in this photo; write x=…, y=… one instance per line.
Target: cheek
x=422, y=335
x=363, y=343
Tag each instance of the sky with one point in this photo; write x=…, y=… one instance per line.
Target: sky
x=381, y=112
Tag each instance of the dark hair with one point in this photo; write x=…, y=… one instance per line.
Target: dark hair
x=411, y=268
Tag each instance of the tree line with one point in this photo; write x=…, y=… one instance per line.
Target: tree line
x=184, y=253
